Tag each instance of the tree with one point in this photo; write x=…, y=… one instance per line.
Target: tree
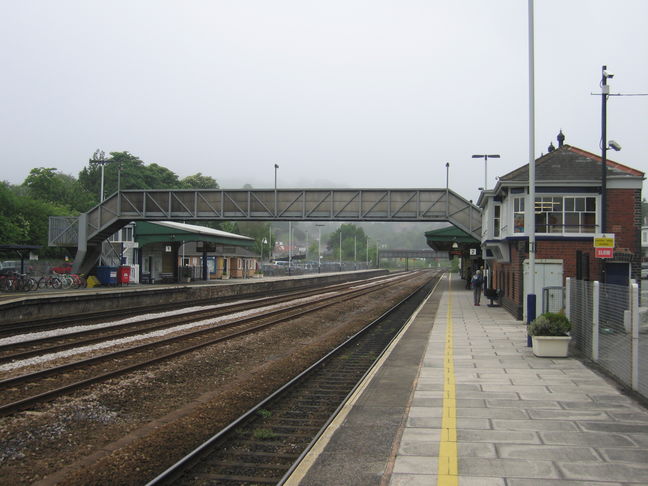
x=263, y=238
x=199, y=181
x=25, y=219
x=131, y=172
x=354, y=242
x=50, y=185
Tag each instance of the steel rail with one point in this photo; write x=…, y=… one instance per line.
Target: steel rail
x=20, y=404
x=171, y=474
x=157, y=323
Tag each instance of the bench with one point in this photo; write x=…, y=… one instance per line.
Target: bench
x=167, y=278
x=145, y=278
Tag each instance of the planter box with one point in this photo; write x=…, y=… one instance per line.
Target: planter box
x=550, y=346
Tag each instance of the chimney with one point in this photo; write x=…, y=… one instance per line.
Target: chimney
x=561, y=139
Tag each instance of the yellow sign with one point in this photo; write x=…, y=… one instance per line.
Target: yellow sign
x=604, y=241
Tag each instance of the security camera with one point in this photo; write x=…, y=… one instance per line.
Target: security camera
x=608, y=74
x=615, y=145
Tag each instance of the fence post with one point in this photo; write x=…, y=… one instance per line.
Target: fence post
x=634, y=323
x=596, y=293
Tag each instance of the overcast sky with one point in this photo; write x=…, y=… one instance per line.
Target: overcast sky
x=338, y=93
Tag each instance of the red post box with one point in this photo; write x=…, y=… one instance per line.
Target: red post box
x=124, y=275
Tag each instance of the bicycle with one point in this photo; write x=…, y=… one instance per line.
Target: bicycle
x=49, y=281
x=17, y=282
x=78, y=281
x=66, y=280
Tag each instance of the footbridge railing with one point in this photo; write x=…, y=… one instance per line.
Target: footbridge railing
x=268, y=205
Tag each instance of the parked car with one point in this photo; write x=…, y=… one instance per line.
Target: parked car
x=9, y=266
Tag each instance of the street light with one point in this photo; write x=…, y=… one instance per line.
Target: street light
x=319, y=247
x=367, y=251
x=99, y=157
x=276, y=166
x=605, y=93
x=340, y=248
x=486, y=157
x=447, y=189
x=263, y=243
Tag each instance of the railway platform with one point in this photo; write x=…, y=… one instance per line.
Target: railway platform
x=46, y=304
x=459, y=399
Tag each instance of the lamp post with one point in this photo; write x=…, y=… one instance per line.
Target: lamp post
x=99, y=157
x=340, y=248
x=289, y=246
x=605, y=92
x=529, y=223
x=447, y=189
x=367, y=251
x=319, y=247
x=486, y=157
x=276, y=166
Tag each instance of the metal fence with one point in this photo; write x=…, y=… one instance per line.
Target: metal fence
x=610, y=328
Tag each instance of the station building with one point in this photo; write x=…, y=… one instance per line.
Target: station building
x=169, y=251
x=567, y=217
x=204, y=253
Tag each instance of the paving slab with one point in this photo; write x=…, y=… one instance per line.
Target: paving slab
x=518, y=420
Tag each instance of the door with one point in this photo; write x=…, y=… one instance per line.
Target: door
x=548, y=273
x=617, y=273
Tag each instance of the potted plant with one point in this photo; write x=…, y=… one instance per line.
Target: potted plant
x=550, y=335
x=186, y=273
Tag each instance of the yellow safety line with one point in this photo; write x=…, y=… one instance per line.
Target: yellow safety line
x=447, y=472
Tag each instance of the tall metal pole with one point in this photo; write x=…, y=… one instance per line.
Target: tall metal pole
x=530, y=210
x=485, y=157
x=605, y=90
x=447, y=189
x=367, y=250
x=289, y=246
x=275, y=191
x=101, y=198
x=377, y=258
x=340, y=248
x=319, y=248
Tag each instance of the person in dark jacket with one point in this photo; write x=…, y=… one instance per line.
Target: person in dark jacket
x=476, y=283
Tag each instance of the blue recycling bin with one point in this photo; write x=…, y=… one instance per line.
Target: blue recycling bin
x=107, y=275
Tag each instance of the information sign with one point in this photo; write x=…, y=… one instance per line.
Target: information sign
x=604, y=241
x=604, y=252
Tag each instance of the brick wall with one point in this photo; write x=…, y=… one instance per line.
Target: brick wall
x=623, y=219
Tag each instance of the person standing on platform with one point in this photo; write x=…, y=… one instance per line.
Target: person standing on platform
x=476, y=283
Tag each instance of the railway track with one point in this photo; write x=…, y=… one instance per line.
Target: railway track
x=89, y=317
x=265, y=444
x=52, y=341
x=27, y=390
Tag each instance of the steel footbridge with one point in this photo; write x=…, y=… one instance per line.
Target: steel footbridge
x=87, y=231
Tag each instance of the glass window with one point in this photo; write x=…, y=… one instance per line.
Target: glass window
x=569, y=214
x=518, y=215
x=569, y=204
x=497, y=220
x=588, y=223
